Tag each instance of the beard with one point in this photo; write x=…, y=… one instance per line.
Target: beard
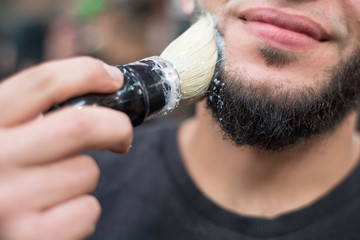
x=275, y=119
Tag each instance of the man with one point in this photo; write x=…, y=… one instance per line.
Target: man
x=271, y=153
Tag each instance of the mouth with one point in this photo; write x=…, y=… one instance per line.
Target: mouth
x=284, y=30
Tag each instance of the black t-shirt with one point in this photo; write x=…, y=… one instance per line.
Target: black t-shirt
x=147, y=194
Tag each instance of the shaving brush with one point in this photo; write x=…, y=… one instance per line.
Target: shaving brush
x=155, y=86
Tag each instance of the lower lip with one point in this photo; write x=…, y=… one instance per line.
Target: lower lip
x=280, y=37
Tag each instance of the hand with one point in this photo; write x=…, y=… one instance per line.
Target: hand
x=44, y=182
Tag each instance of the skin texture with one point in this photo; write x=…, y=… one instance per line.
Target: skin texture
x=263, y=183
x=45, y=184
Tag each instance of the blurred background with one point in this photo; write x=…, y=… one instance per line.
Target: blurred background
x=115, y=31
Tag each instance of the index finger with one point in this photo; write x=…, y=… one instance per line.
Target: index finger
x=33, y=91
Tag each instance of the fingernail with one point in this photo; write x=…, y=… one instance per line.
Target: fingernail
x=114, y=73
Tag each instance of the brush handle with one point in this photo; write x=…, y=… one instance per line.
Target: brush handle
x=145, y=92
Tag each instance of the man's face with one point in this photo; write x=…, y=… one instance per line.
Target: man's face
x=291, y=68
x=286, y=43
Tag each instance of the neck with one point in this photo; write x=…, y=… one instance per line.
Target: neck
x=260, y=183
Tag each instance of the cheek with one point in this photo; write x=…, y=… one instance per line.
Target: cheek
x=354, y=6
x=352, y=16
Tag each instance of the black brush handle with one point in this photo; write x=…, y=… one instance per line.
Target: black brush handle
x=141, y=96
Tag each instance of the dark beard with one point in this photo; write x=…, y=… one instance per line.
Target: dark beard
x=258, y=116
x=275, y=57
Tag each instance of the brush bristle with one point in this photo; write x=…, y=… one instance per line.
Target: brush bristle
x=194, y=55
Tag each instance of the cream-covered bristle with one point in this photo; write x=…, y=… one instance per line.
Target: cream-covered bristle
x=194, y=55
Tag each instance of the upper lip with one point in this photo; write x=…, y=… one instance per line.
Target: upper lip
x=296, y=23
